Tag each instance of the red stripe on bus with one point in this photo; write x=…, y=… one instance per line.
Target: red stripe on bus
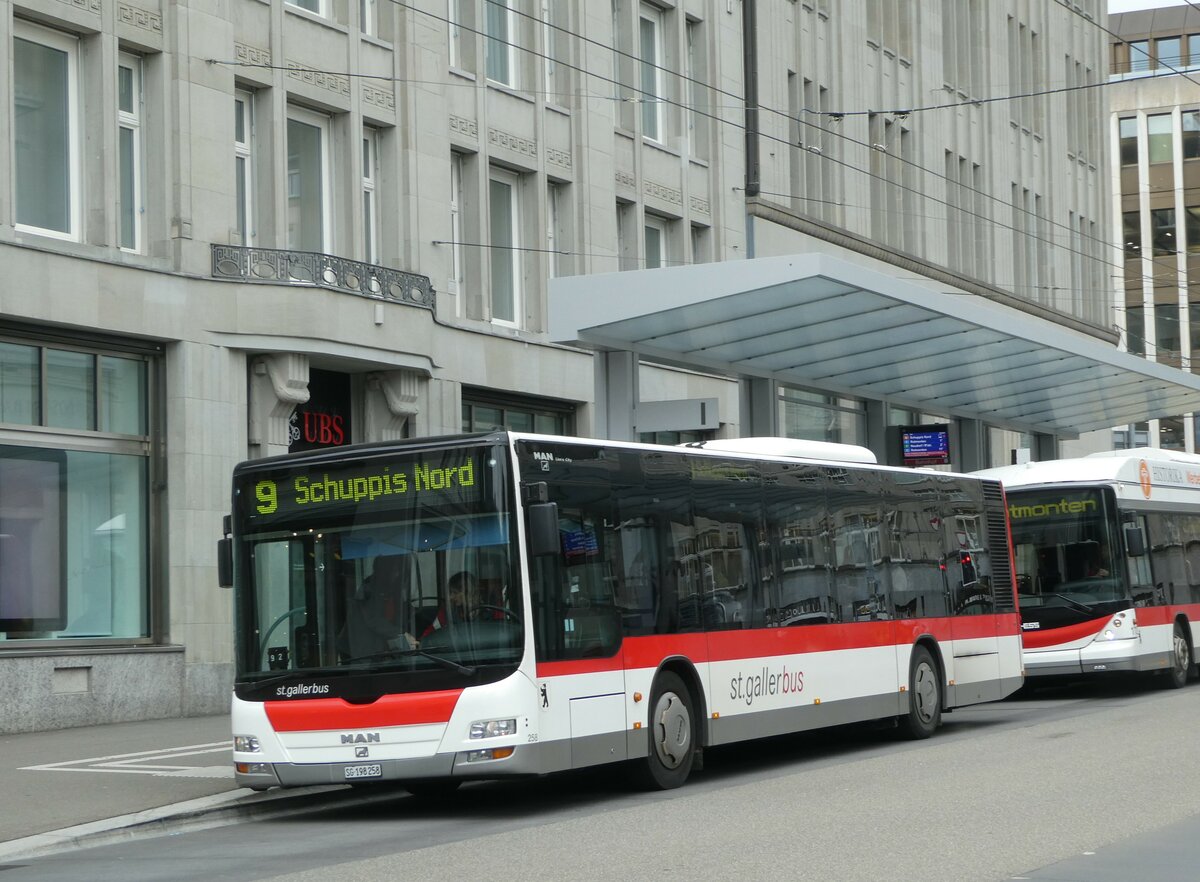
x=649, y=651
x=1067, y=634
x=390, y=710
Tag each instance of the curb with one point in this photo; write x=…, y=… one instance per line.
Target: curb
x=194, y=814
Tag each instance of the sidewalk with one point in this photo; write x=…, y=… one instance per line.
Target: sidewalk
x=84, y=786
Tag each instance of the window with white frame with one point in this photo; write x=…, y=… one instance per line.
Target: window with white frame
x=456, y=227
x=46, y=160
x=129, y=152
x=504, y=237
x=315, y=6
x=370, y=206
x=553, y=33
x=243, y=166
x=461, y=15
x=697, y=79
x=650, y=37
x=553, y=238
x=500, y=27
x=368, y=17
x=656, y=230
x=308, y=222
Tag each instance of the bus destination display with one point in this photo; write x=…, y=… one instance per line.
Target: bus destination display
x=452, y=477
x=925, y=445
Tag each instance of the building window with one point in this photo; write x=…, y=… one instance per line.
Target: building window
x=1190, y=138
x=554, y=243
x=129, y=149
x=1128, y=132
x=504, y=242
x=462, y=34
x=1168, y=51
x=818, y=416
x=456, y=226
x=1162, y=231
x=370, y=207
x=368, y=17
x=74, y=504
x=45, y=137
x=315, y=6
x=484, y=412
x=1139, y=55
x=1159, y=137
x=675, y=438
x=650, y=35
x=701, y=247
x=697, y=79
x=1193, y=44
x=308, y=177
x=1132, y=233
x=656, y=231
x=627, y=240
x=1192, y=218
x=243, y=166
x=501, y=32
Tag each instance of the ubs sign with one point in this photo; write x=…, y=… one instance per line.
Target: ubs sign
x=324, y=420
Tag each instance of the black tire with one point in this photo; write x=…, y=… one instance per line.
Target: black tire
x=671, y=735
x=1181, y=660
x=924, y=696
x=432, y=788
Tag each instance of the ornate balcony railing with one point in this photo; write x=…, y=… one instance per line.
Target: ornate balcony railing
x=283, y=267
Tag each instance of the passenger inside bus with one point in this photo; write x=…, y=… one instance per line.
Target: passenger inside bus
x=378, y=612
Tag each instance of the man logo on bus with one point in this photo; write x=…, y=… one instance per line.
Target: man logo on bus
x=1144, y=478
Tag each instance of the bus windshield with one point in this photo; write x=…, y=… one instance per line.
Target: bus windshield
x=1063, y=542
x=399, y=564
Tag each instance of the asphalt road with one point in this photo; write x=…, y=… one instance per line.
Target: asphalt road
x=1056, y=786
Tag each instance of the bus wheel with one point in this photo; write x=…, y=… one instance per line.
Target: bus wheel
x=1181, y=660
x=672, y=734
x=924, y=696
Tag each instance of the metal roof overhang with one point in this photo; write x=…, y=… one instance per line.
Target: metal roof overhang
x=823, y=322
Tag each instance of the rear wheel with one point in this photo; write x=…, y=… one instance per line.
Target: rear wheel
x=1181, y=659
x=924, y=696
x=672, y=735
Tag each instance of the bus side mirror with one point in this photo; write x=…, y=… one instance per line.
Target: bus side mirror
x=1135, y=545
x=543, y=529
x=225, y=556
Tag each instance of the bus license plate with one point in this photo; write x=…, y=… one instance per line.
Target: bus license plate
x=370, y=770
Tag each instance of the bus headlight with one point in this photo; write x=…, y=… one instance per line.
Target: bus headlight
x=246, y=744
x=493, y=728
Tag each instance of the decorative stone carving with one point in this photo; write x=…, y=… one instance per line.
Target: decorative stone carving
x=466, y=127
x=330, y=82
x=513, y=142
x=248, y=54
x=140, y=18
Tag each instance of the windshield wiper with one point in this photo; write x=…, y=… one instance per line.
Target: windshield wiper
x=465, y=670
x=1082, y=607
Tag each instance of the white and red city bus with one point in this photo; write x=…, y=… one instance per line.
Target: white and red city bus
x=513, y=604
x=1107, y=556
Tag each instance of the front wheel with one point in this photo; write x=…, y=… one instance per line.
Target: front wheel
x=924, y=696
x=1181, y=659
x=672, y=735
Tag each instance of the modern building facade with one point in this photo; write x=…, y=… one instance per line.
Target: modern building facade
x=240, y=229
x=1154, y=102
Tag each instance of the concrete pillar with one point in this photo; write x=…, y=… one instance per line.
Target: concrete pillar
x=758, y=403
x=1045, y=447
x=878, y=440
x=617, y=395
x=277, y=384
x=972, y=453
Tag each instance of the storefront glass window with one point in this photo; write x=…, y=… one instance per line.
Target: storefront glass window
x=74, y=505
x=20, y=376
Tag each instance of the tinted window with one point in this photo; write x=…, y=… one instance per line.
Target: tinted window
x=800, y=591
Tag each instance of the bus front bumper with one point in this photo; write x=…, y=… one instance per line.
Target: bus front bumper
x=1099, y=657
